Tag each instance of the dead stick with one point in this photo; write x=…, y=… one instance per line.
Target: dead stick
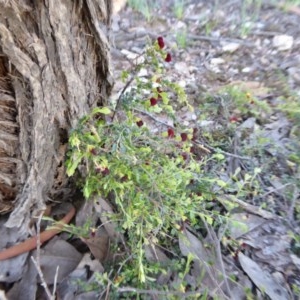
x=31, y=243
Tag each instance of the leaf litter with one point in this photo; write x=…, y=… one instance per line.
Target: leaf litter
x=256, y=244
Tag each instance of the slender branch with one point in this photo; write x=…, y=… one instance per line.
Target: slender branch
x=227, y=153
x=37, y=261
x=31, y=243
x=219, y=255
x=120, y=96
x=154, y=118
x=156, y=292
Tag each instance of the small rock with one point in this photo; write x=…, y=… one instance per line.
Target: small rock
x=115, y=23
x=247, y=70
x=132, y=56
x=182, y=67
x=283, y=42
x=216, y=34
x=230, y=47
x=143, y=72
x=182, y=83
x=180, y=25
x=217, y=61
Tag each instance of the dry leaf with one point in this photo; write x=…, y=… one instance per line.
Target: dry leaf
x=104, y=209
x=93, y=264
x=86, y=213
x=190, y=244
x=241, y=223
x=98, y=245
x=58, y=253
x=25, y=288
x=263, y=280
x=12, y=269
x=70, y=285
x=204, y=261
x=2, y=295
x=118, y=5
x=256, y=88
x=154, y=254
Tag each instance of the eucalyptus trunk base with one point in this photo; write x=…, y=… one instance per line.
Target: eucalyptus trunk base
x=54, y=68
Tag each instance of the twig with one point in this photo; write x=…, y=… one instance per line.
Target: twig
x=154, y=118
x=107, y=291
x=217, y=242
x=31, y=243
x=211, y=273
x=156, y=292
x=295, y=197
x=219, y=39
x=55, y=281
x=251, y=208
x=37, y=261
x=274, y=190
x=265, y=33
x=227, y=153
x=120, y=96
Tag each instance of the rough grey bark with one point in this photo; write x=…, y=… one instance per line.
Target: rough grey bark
x=54, y=67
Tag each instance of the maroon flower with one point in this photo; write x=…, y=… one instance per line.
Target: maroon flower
x=183, y=136
x=233, y=119
x=105, y=171
x=160, y=42
x=171, y=133
x=140, y=123
x=184, y=155
x=124, y=178
x=93, y=232
x=93, y=151
x=153, y=101
x=168, y=57
x=194, y=138
x=193, y=150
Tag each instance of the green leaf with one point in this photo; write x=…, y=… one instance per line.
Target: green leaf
x=218, y=156
x=101, y=110
x=73, y=164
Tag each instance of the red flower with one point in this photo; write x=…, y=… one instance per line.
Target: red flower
x=183, y=136
x=168, y=57
x=140, y=123
x=159, y=90
x=171, y=133
x=93, y=151
x=153, y=101
x=194, y=138
x=193, y=150
x=105, y=171
x=93, y=232
x=124, y=178
x=160, y=42
x=233, y=119
x=184, y=155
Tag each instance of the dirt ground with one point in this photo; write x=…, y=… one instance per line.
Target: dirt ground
x=239, y=62
x=224, y=52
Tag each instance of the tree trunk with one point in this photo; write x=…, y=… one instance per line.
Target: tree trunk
x=54, y=67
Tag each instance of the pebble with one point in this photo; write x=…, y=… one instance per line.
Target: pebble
x=230, y=47
x=217, y=61
x=283, y=42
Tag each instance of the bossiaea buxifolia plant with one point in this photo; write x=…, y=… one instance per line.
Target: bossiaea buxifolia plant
x=142, y=165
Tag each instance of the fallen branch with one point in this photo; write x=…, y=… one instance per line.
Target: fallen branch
x=32, y=243
x=251, y=208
